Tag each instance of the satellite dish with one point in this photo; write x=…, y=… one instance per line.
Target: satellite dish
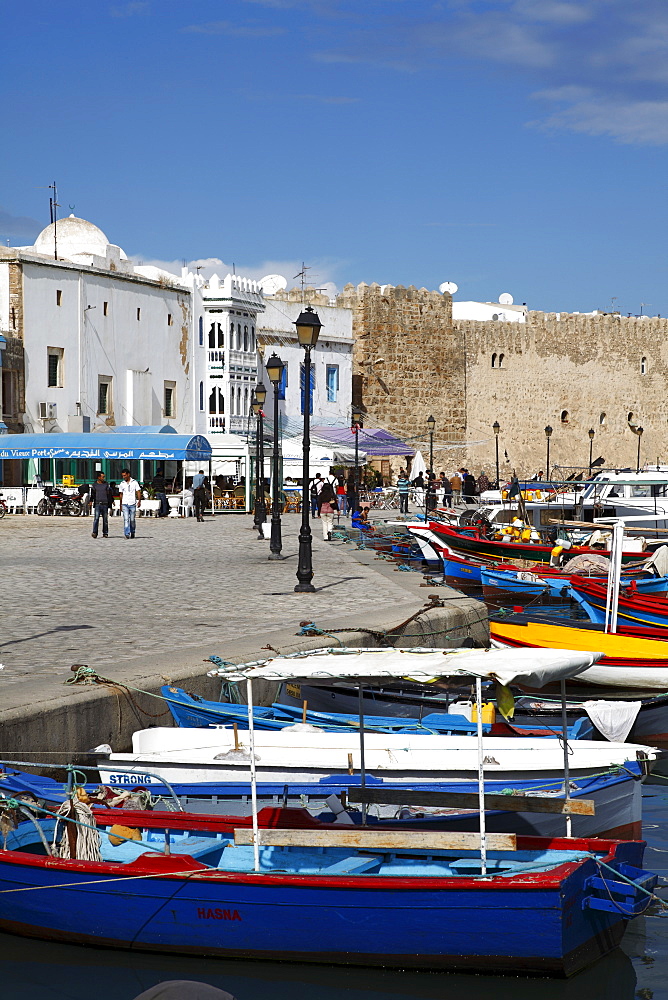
x=272, y=283
x=448, y=286
x=506, y=299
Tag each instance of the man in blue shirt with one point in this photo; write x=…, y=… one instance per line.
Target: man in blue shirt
x=403, y=485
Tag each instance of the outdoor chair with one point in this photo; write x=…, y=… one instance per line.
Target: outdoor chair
x=239, y=498
x=149, y=508
x=292, y=502
x=13, y=497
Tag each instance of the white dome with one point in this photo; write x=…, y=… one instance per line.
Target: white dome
x=74, y=236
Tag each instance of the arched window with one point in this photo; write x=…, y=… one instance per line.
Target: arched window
x=212, y=335
x=602, y=419
x=245, y=338
x=201, y=335
x=501, y=357
x=239, y=337
x=643, y=366
x=564, y=416
x=216, y=401
x=201, y=395
x=252, y=345
x=494, y=361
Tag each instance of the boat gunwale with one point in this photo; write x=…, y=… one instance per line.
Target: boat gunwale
x=144, y=866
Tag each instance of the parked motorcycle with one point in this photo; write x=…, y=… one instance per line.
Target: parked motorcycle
x=3, y=506
x=57, y=502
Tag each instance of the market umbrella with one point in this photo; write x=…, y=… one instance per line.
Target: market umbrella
x=418, y=465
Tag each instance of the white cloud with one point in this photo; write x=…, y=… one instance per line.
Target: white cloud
x=235, y=29
x=641, y=122
x=322, y=274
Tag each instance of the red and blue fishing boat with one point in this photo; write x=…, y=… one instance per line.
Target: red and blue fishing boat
x=473, y=542
x=634, y=607
x=181, y=883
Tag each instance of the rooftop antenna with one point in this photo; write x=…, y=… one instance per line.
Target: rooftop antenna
x=642, y=306
x=302, y=274
x=612, y=302
x=53, y=209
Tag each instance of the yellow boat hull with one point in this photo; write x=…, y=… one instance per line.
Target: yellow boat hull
x=547, y=636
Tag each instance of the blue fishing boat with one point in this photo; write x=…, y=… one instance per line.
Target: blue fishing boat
x=192, y=711
x=520, y=587
x=179, y=883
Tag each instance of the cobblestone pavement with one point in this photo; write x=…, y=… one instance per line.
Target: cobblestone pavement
x=68, y=598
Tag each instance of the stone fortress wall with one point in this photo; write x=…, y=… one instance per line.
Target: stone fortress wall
x=408, y=363
x=571, y=371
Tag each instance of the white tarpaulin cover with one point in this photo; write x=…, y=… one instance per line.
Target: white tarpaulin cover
x=532, y=667
x=613, y=719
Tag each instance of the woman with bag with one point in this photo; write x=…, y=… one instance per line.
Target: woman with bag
x=328, y=508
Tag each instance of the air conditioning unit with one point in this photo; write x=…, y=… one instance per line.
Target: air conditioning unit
x=47, y=411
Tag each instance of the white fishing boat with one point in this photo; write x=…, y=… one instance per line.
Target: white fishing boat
x=307, y=754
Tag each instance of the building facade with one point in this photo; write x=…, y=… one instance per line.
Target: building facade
x=330, y=391
x=90, y=342
x=228, y=336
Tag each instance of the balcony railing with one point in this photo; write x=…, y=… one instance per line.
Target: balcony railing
x=216, y=423
x=238, y=425
x=217, y=359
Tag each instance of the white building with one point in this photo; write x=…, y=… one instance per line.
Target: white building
x=91, y=342
x=331, y=382
x=228, y=335
x=500, y=312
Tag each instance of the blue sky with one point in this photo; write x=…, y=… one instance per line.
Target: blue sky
x=507, y=145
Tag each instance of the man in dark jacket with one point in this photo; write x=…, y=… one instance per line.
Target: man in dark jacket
x=102, y=499
x=160, y=493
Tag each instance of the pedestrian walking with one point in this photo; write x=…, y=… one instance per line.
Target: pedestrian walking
x=341, y=497
x=430, y=497
x=444, y=484
x=328, y=508
x=403, y=486
x=316, y=486
x=130, y=501
x=483, y=483
x=468, y=486
x=160, y=492
x=456, y=485
x=199, y=496
x=102, y=499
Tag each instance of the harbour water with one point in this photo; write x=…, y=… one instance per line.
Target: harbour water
x=37, y=970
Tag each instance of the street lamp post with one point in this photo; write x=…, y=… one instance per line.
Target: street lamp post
x=496, y=427
x=592, y=434
x=429, y=495
x=431, y=423
x=548, y=435
x=639, y=432
x=308, y=327
x=259, y=396
x=275, y=368
x=357, y=416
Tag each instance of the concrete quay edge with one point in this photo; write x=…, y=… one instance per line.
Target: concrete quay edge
x=56, y=723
